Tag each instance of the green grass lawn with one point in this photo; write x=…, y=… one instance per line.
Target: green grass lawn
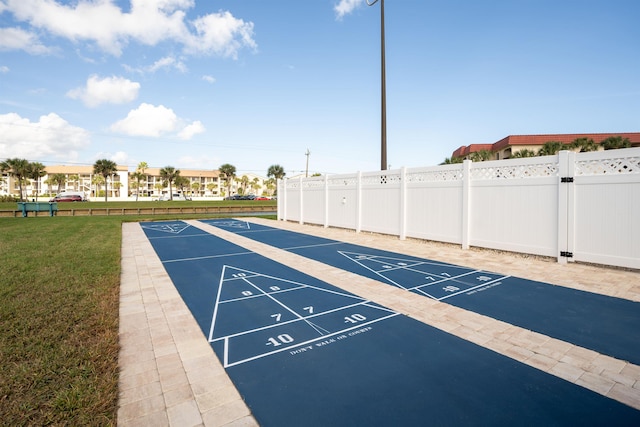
x=59, y=297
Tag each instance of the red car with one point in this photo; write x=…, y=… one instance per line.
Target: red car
x=67, y=198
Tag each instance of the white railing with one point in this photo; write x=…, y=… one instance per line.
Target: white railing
x=573, y=206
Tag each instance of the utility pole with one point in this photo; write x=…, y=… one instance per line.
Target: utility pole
x=306, y=173
x=383, y=90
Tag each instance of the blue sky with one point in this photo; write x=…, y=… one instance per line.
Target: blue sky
x=194, y=84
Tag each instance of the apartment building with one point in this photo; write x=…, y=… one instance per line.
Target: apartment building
x=124, y=184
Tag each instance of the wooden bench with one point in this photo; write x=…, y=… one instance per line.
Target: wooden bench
x=27, y=207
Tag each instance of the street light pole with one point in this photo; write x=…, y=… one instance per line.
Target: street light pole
x=383, y=90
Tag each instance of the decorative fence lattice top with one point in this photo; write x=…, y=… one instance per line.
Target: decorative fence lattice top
x=616, y=166
x=537, y=170
x=313, y=183
x=292, y=184
x=338, y=181
x=381, y=178
x=434, y=175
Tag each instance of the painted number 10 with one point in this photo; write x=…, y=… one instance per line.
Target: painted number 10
x=354, y=318
x=279, y=340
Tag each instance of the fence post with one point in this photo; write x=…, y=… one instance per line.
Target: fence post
x=301, y=200
x=566, y=166
x=282, y=195
x=466, y=198
x=326, y=201
x=358, y=202
x=403, y=203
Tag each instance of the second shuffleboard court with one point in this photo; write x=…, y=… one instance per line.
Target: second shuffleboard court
x=604, y=324
x=303, y=352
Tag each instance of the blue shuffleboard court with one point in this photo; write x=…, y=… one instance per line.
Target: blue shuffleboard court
x=303, y=352
x=601, y=323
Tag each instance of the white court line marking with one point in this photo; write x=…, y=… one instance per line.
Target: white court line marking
x=447, y=279
x=275, y=325
x=372, y=257
x=475, y=287
x=260, y=295
x=312, y=246
x=229, y=224
x=206, y=257
x=176, y=227
x=260, y=356
x=372, y=270
x=317, y=328
x=253, y=274
x=418, y=288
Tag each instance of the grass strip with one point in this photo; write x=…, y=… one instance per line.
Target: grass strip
x=59, y=299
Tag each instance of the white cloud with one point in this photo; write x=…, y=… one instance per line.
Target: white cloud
x=168, y=62
x=147, y=120
x=209, y=79
x=19, y=39
x=345, y=7
x=190, y=130
x=221, y=34
x=148, y=22
x=165, y=62
x=112, y=90
x=4, y=69
x=120, y=157
x=50, y=136
x=198, y=162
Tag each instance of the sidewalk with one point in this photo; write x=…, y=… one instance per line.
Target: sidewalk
x=164, y=354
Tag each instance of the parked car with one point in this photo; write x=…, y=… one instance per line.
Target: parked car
x=262, y=198
x=67, y=198
x=176, y=196
x=241, y=197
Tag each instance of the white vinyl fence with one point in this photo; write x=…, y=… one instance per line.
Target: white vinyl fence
x=573, y=206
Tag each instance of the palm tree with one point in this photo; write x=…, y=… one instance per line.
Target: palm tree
x=182, y=182
x=169, y=174
x=255, y=185
x=19, y=169
x=615, y=142
x=523, y=153
x=159, y=186
x=211, y=186
x=480, y=156
x=105, y=167
x=276, y=171
x=138, y=176
x=550, y=148
x=36, y=171
x=142, y=167
x=195, y=186
x=452, y=160
x=228, y=173
x=75, y=179
x=97, y=180
x=244, y=182
x=584, y=144
x=59, y=179
x=116, y=186
x=271, y=185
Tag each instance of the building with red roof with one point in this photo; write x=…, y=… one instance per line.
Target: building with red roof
x=506, y=147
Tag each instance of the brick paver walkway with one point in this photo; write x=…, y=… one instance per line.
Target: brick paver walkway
x=169, y=374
